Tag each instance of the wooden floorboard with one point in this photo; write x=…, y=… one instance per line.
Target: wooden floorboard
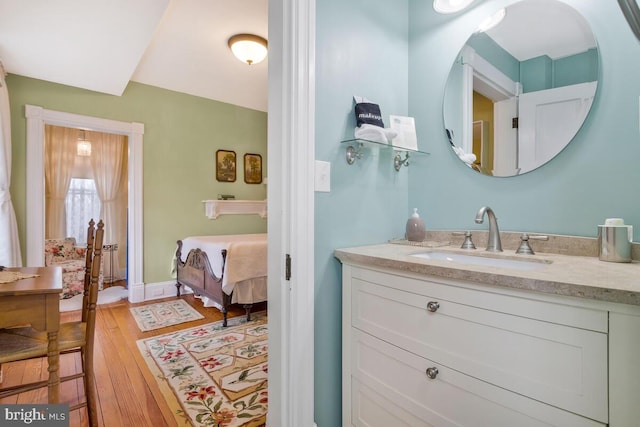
x=128, y=394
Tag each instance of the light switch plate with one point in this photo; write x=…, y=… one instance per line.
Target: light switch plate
x=323, y=176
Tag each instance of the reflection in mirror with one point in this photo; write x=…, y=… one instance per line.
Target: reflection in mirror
x=518, y=93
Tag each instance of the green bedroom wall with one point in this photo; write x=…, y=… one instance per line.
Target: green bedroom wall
x=182, y=134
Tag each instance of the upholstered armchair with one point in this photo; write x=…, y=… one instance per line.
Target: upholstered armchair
x=64, y=253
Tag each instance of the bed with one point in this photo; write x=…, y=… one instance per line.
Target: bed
x=224, y=270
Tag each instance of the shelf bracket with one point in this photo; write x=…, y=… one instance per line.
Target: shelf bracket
x=398, y=161
x=354, y=153
x=355, y=150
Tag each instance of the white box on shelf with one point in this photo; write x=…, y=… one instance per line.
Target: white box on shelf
x=406, y=128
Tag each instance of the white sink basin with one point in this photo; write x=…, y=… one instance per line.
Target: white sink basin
x=487, y=261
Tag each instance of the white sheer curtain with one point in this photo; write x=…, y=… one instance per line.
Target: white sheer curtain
x=59, y=158
x=9, y=242
x=107, y=161
x=83, y=204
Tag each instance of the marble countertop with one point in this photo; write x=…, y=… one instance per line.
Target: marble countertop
x=569, y=275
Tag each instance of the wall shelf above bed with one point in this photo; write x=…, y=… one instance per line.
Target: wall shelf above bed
x=214, y=208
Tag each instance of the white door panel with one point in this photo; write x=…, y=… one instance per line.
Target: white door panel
x=505, y=138
x=548, y=120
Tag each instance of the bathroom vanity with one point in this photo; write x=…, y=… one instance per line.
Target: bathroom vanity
x=546, y=340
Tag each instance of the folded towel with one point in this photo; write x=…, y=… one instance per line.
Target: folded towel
x=468, y=158
x=375, y=133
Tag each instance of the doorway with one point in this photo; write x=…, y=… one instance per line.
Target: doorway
x=37, y=118
x=86, y=179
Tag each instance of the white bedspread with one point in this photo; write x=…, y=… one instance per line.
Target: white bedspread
x=245, y=270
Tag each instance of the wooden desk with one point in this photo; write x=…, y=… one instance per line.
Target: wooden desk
x=36, y=301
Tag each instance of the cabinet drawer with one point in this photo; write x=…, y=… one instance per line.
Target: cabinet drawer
x=555, y=364
x=396, y=380
x=545, y=308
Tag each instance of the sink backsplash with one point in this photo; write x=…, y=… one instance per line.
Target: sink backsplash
x=557, y=244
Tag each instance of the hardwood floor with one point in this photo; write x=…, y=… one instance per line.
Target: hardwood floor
x=128, y=394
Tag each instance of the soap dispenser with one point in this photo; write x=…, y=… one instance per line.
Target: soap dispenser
x=415, y=227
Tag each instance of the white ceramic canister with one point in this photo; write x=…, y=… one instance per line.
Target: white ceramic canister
x=614, y=240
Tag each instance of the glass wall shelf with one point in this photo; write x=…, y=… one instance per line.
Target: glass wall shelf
x=355, y=146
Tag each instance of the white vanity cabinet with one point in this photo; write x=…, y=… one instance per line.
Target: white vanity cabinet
x=421, y=350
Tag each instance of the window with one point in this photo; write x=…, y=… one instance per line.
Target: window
x=82, y=205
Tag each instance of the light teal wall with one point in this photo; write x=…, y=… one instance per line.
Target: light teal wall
x=595, y=177
x=182, y=134
x=575, y=69
x=496, y=55
x=452, y=105
x=361, y=50
x=541, y=72
x=536, y=74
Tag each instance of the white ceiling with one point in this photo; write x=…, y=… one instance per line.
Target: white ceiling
x=543, y=27
x=179, y=45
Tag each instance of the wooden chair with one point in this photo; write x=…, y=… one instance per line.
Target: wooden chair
x=26, y=343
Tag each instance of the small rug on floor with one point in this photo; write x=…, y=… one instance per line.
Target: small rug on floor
x=211, y=375
x=105, y=296
x=163, y=314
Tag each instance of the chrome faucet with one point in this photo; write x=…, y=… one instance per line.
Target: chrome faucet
x=493, y=244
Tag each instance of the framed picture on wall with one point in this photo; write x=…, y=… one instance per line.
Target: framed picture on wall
x=252, y=168
x=226, y=166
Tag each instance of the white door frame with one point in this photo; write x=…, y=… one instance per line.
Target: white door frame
x=37, y=118
x=291, y=149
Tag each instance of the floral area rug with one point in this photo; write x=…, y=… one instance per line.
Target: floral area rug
x=162, y=314
x=213, y=376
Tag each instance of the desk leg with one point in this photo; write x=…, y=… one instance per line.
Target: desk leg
x=53, y=357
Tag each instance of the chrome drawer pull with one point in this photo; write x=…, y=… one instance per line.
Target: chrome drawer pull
x=432, y=373
x=433, y=306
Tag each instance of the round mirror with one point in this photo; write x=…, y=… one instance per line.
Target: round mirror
x=519, y=92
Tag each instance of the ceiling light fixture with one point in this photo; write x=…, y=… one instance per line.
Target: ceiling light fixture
x=83, y=147
x=450, y=6
x=491, y=21
x=248, y=48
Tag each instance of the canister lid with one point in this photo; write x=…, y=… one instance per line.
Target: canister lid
x=614, y=221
